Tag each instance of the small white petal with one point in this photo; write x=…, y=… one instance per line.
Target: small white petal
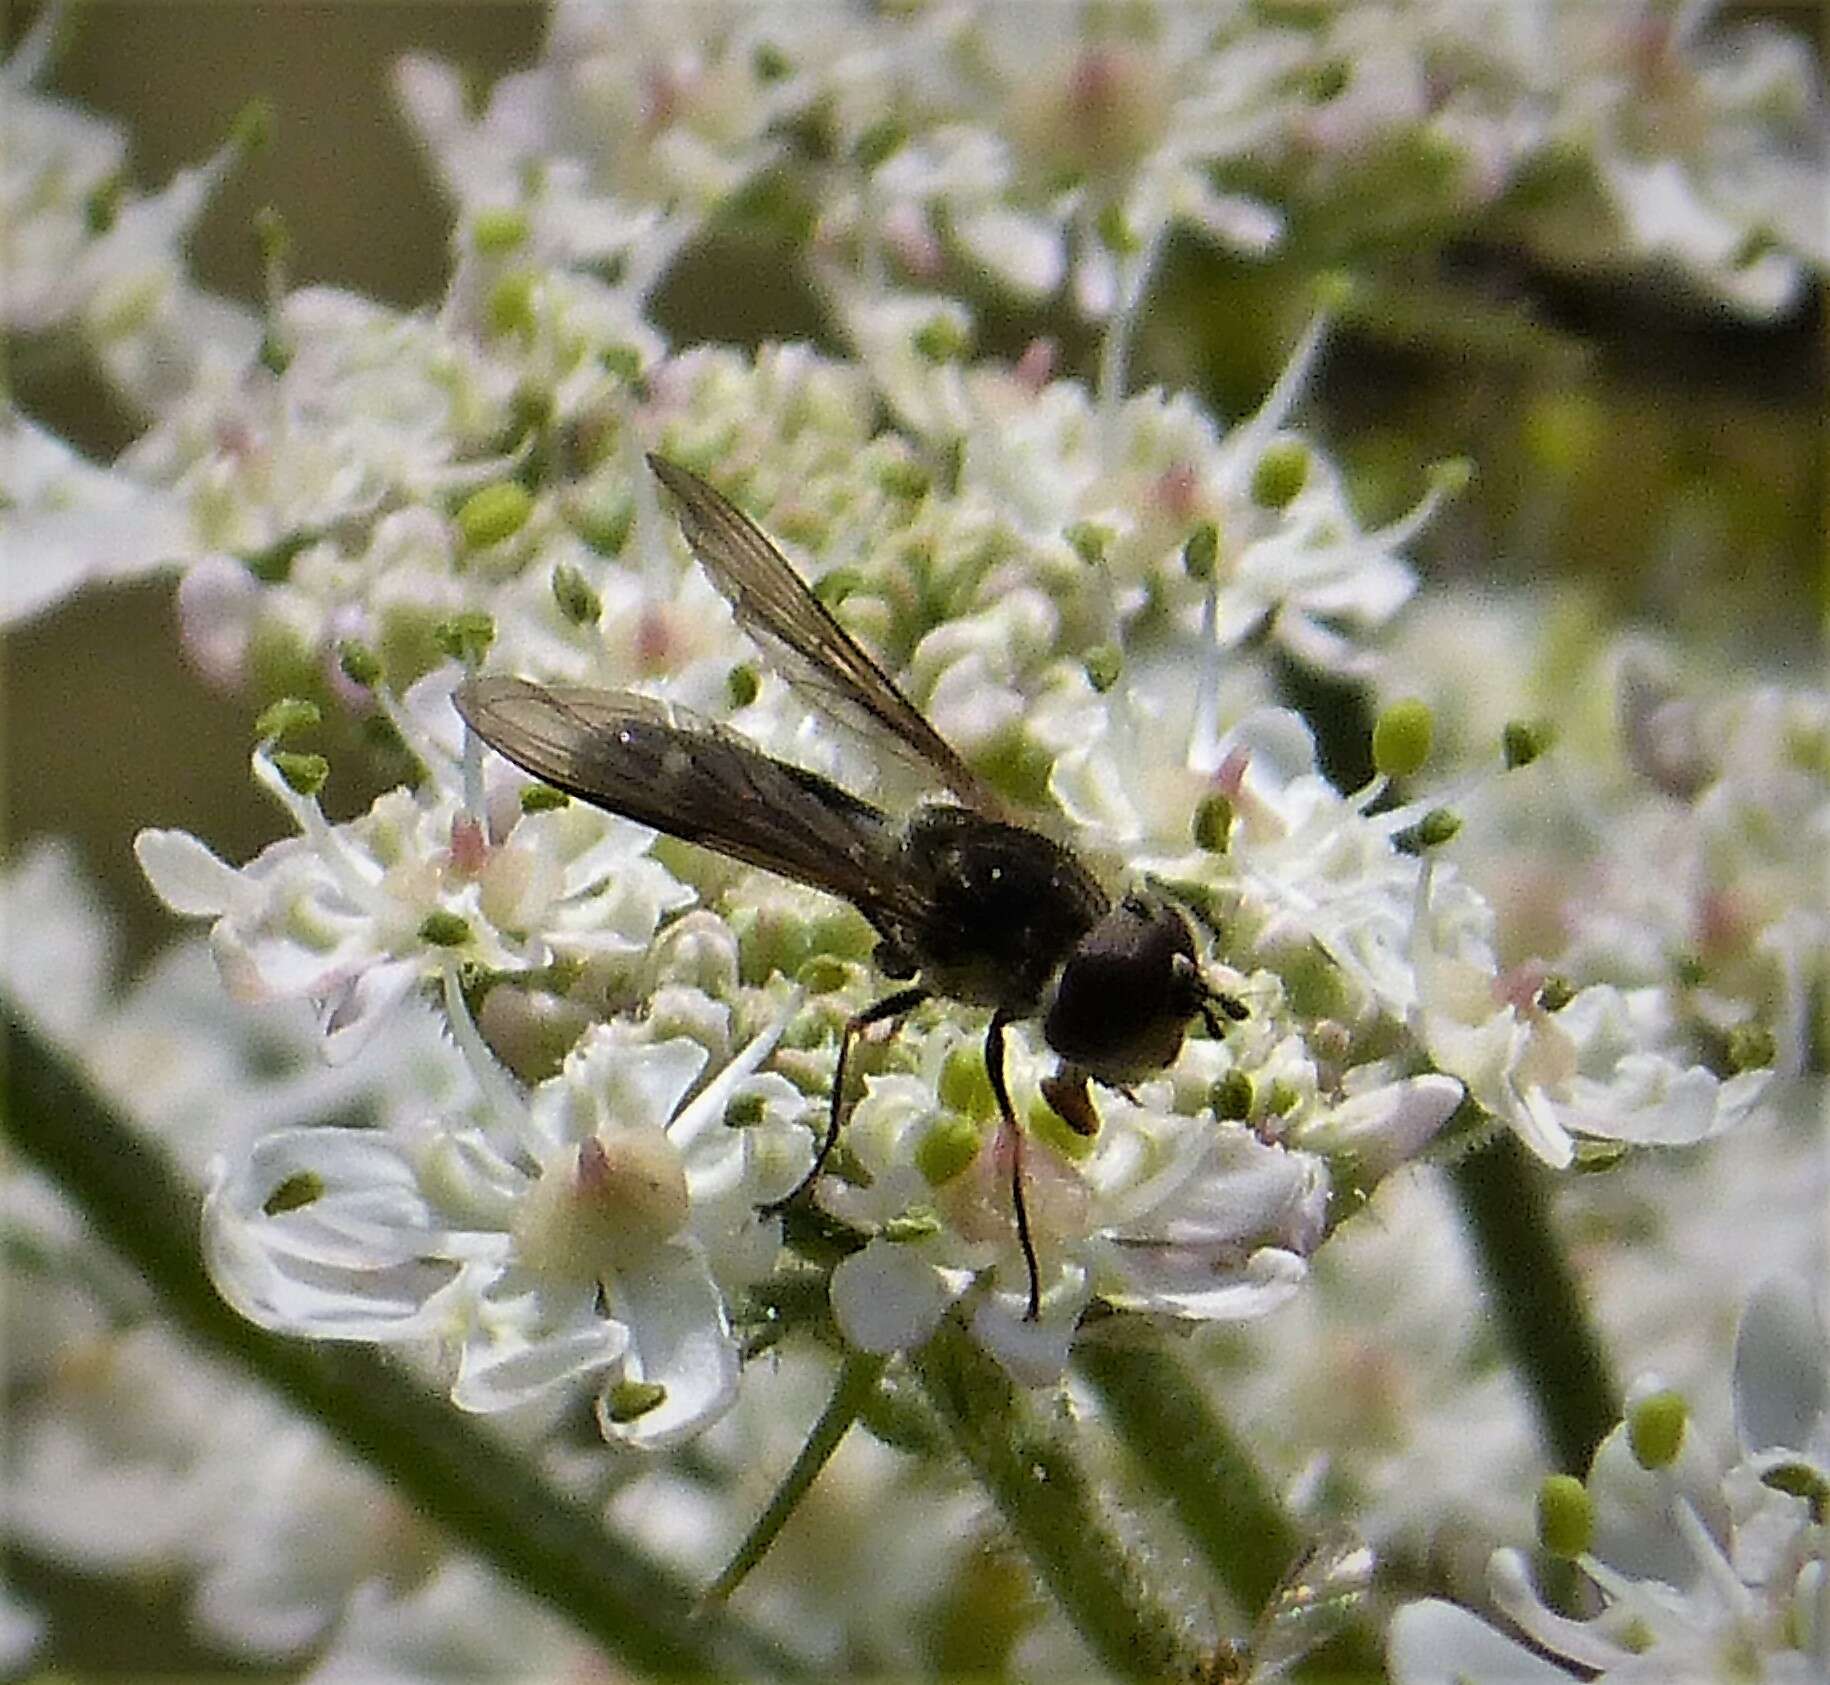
x=351, y=1017
x=680, y=1337
x=888, y=1298
x=185, y=875
x=491, y=1378
x=1436, y=1643
x=1033, y=1353
x=1782, y=1370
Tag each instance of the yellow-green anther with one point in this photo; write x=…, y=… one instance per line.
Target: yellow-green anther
x=443, y=929
x=103, y=206
x=1335, y=290
x=282, y=718
x=253, y=126
x=881, y=141
x=1751, y=1047
x=1201, y=551
x=1522, y=743
x=606, y=526
x=1102, y=666
x=1801, y=1480
x=465, y=637
x=769, y=63
x=300, y=1188
x=1401, y=737
x=742, y=685
x=833, y=588
x=965, y=1084
x=494, y=512
x=905, y=479
x=1451, y=477
x=941, y=340
x=1655, y=1429
x=630, y=1399
x=272, y=236
x=1556, y=992
x=359, y=664
x=1280, y=473
x=509, y=308
x=1213, y=823
x=1594, y=1157
x=1689, y=970
x=273, y=353
x=745, y=1111
x=1327, y=81
x=305, y=774
x=273, y=564
x=911, y=1226
x=1284, y=1097
x=623, y=361
x=1114, y=229
x=1564, y=432
x=543, y=798
x=532, y=408
x=1231, y=1097
x=496, y=232
x=1566, y=1516
x=572, y=592
x=947, y=1147
x=1437, y=827
x=1089, y=541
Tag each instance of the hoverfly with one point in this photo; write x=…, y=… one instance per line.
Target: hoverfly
x=967, y=904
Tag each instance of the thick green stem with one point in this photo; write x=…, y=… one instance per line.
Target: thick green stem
x=1542, y=1315
x=461, y=1476
x=1030, y=1472
x=1183, y=1449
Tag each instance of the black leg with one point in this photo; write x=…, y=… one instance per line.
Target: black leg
x=994, y=1064
x=891, y=1006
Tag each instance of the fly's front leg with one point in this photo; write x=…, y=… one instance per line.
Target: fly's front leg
x=994, y=1065
x=891, y=1006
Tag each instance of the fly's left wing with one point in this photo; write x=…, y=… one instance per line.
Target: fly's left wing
x=773, y=604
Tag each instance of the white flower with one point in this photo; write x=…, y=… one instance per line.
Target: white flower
x=592, y=1233
x=355, y=917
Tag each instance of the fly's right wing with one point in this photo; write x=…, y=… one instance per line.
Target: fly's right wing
x=813, y=651
x=665, y=767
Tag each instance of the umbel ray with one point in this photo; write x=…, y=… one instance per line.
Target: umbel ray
x=967, y=904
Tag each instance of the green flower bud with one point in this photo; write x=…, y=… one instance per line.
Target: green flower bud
x=606, y=526
x=624, y=361
x=465, y=637
x=1655, y=1429
x=444, y=929
x=1231, y=1097
x=768, y=63
x=881, y=141
x=303, y=773
x=1437, y=827
x=742, y=685
x=965, y=1083
x=1201, y=551
x=493, y=513
x=1523, y=742
x=912, y=1226
x=287, y=715
x=360, y=664
x=942, y=339
x=577, y=601
x=509, y=309
x=1102, y=666
x=543, y=798
x=253, y=126
x=1089, y=541
x=1566, y=1516
x=1401, y=738
x=102, y=208
x=497, y=232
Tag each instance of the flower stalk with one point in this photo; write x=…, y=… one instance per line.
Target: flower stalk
x=459, y=1475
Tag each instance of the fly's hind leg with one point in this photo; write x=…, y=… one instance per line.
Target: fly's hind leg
x=994, y=1064
x=891, y=1006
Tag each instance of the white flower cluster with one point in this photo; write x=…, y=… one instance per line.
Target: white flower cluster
x=1699, y=1572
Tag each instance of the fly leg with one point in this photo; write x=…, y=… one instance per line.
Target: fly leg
x=994, y=1064
x=891, y=1006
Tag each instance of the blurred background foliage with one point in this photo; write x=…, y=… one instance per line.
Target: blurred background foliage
x=1640, y=452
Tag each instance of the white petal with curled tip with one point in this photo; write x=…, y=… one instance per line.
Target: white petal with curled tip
x=1437, y=1643
x=1191, y=1283
x=1782, y=1371
x=499, y=1375
x=352, y=1016
x=1033, y=1354
x=680, y=1337
x=888, y=1298
x=185, y=875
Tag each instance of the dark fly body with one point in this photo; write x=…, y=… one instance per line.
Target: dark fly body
x=967, y=904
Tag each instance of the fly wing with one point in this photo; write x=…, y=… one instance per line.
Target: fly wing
x=682, y=774
x=814, y=652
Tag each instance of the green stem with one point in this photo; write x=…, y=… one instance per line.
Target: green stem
x=462, y=1476
x=1183, y=1449
x=1030, y=1472
x=857, y=1385
x=1543, y=1317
